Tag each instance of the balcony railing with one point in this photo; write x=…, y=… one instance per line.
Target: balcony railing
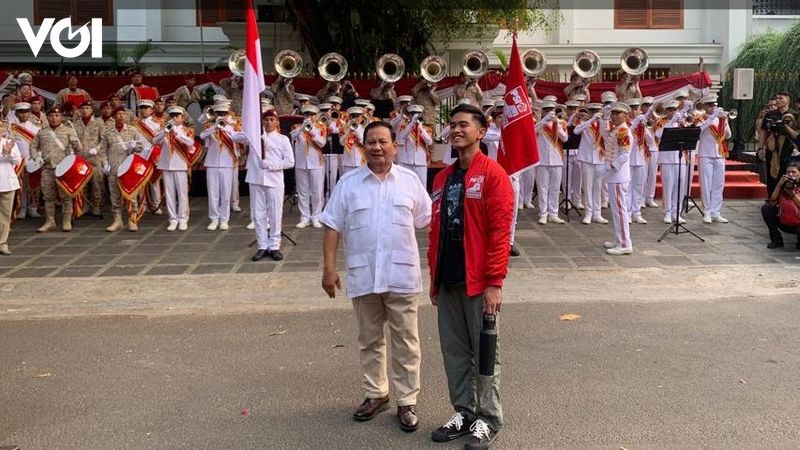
x=776, y=7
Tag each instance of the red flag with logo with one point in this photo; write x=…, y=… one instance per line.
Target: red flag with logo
x=518, y=148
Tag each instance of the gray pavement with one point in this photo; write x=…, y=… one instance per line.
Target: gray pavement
x=89, y=251
x=627, y=375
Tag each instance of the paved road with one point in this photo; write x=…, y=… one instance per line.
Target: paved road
x=719, y=374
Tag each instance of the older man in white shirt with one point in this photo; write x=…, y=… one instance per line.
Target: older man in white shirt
x=10, y=158
x=265, y=166
x=375, y=209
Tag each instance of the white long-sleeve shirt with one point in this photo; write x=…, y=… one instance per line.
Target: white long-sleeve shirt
x=707, y=146
x=550, y=154
x=217, y=154
x=308, y=146
x=588, y=149
x=279, y=156
x=492, y=140
x=170, y=158
x=353, y=143
x=415, y=148
x=618, y=142
x=377, y=220
x=8, y=177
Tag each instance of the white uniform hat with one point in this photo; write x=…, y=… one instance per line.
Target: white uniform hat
x=145, y=102
x=223, y=107
x=219, y=98
x=487, y=102
x=499, y=102
x=309, y=109
x=548, y=104
x=405, y=98
x=648, y=100
x=176, y=110
x=671, y=104
x=573, y=103
x=579, y=97
x=608, y=96
x=369, y=106
x=550, y=98
x=463, y=101
x=324, y=106
x=334, y=99
x=621, y=107
x=355, y=110
x=682, y=93
x=712, y=98
x=302, y=98
x=360, y=102
x=415, y=109
x=21, y=105
x=633, y=101
x=597, y=106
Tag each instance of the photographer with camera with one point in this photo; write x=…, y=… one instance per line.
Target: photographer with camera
x=782, y=211
x=776, y=142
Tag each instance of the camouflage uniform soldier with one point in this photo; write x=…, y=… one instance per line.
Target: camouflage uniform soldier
x=51, y=145
x=89, y=129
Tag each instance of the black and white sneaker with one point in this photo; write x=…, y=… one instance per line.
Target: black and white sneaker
x=457, y=426
x=482, y=436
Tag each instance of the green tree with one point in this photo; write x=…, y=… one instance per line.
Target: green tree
x=362, y=30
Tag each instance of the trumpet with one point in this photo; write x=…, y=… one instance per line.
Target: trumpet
x=324, y=119
x=335, y=115
x=308, y=126
x=208, y=115
x=561, y=111
x=354, y=125
x=169, y=126
x=655, y=113
x=222, y=123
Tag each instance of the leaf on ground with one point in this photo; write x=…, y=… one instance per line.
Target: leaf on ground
x=569, y=317
x=42, y=375
x=337, y=346
x=278, y=333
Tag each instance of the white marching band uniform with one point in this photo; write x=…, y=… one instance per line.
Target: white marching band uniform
x=175, y=172
x=574, y=168
x=639, y=164
x=265, y=177
x=672, y=164
x=618, y=148
x=23, y=139
x=154, y=187
x=551, y=133
x=591, y=154
x=414, y=153
x=332, y=161
x=221, y=163
x=711, y=157
x=353, y=143
x=309, y=171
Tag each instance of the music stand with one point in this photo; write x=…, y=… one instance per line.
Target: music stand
x=679, y=140
x=572, y=143
x=688, y=201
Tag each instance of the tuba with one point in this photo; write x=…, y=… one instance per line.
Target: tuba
x=288, y=63
x=586, y=64
x=236, y=63
x=634, y=61
x=332, y=66
x=433, y=68
x=533, y=62
x=476, y=64
x=390, y=67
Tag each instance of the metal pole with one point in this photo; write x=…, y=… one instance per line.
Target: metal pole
x=202, y=49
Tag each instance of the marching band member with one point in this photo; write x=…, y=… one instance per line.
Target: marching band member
x=652, y=162
x=302, y=101
x=50, y=146
x=712, y=151
x=425, y=95
x=10, y=158
x=234, y=89
x=24, y=131
x=309, y=170
x=591, y=154
x=416, y=138
x=90, y=131
x=283, y=89
x=581, y=98
x=175, y=138
x=265, y=168
x=336, y=106
x=617, y=138
x=574, y=168
x=116, y=101
x=628, y=88
x=551, y=133
x=117, y=142
x=639, y=160
x=158, y=111
x=352, y=139
x=369, y=113
x=332, y=161
x=72, y=93
x=469, y=89
x=187, y=93
x=149, y=126
x=135, y=91
x=38, y=117
x=607, y=98
x=577, y=85
x=23, y=93
x=684, y=109
x=493, y=131
x=220, y=138
x=672, y=163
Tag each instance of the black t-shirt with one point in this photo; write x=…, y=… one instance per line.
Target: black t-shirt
x=452, y=268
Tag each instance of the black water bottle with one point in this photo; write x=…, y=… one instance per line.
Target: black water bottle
x=488, y=345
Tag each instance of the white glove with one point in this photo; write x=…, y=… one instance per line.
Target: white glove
x=641, y=117
x=39, y=160
x=550, y=116
x=106, y=167
x=92, y=152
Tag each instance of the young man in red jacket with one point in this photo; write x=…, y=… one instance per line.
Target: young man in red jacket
x=473, y=207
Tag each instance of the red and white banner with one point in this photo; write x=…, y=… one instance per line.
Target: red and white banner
x=253, y=81
x=518, y=147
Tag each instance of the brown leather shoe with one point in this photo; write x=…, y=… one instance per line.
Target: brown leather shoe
x=370, y=408
x=407, y=416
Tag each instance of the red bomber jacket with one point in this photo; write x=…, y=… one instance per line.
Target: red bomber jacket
x=488, y=215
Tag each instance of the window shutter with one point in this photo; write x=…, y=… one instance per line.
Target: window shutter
x=87, y=10
x=234, y=11
x=666, y=14
x=631, y=14
x=208, y=13
x=51, y=8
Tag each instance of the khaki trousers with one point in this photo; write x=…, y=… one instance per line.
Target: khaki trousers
x=6, y=205
x=373, y=312
x=460, y=324
x=49, y=189
x=93, y=191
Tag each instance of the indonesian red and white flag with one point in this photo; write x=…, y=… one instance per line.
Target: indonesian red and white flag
x=518, y=149
x=253, y=82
